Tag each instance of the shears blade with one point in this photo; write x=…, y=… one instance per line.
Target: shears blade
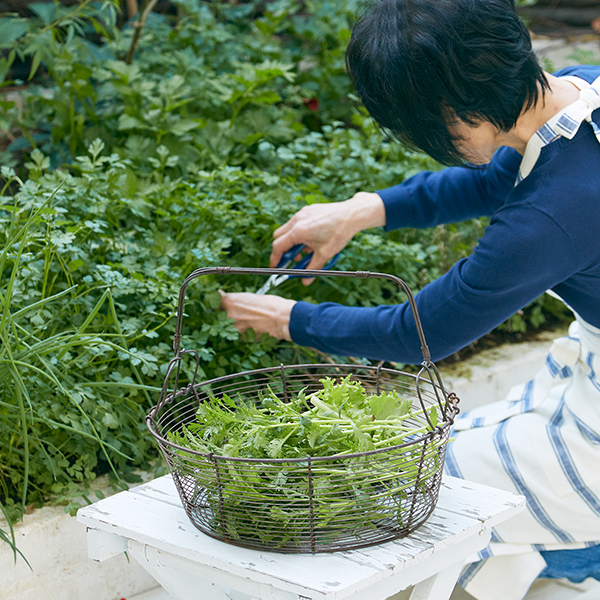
x=286, y=260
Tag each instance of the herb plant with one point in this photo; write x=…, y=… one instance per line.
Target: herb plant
x=283, y=502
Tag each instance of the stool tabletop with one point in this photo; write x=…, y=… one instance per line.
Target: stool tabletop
x=152, y=515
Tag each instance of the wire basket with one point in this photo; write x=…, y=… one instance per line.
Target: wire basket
x=314, y=503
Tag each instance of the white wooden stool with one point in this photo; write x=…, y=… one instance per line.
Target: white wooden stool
x=149, y=523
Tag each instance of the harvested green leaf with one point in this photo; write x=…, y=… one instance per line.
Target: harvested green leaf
x=338, y=424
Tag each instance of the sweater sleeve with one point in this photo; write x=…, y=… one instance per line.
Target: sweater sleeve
x=454, y=194
x=513, y=264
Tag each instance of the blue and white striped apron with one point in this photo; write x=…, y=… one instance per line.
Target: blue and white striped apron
x=543, y=441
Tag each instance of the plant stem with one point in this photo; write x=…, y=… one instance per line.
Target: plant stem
x=137, y=30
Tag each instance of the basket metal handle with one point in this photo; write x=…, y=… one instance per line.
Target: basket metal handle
x=303, y=273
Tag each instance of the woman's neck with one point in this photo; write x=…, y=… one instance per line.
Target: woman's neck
x=561, y=94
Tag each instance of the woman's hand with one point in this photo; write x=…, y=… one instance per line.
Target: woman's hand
x=325, y=229
x=263, y=314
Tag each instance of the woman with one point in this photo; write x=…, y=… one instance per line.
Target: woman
x=458, y=80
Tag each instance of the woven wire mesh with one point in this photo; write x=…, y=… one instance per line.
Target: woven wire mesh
x=312, y=504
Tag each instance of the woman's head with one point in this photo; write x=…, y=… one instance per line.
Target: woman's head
x=421, y=67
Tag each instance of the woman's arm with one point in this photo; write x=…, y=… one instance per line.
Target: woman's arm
x=519, y=258
x=523, y=253
x=425, y=200
x=454, y=194
x=385, y=331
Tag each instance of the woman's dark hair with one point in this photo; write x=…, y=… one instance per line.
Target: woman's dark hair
x=418, y=65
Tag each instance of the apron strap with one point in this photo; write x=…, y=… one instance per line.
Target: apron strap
x=558, y=367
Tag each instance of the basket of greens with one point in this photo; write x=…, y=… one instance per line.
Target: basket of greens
x=305, y=458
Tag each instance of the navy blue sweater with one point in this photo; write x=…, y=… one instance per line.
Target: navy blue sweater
x=544, y=234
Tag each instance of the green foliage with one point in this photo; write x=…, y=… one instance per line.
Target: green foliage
x=72, y=397
x=92, y=286
x=281, y=502
x=341, y=418
x=35, y=38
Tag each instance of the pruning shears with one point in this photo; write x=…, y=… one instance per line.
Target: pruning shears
x=286, y=260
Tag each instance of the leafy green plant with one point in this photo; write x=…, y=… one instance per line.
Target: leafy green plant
x=339, y=419
x=29, y=38
x=282, y=503
x=63, y=395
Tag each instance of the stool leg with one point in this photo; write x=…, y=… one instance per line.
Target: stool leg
x=179, y=583
x=439, y=586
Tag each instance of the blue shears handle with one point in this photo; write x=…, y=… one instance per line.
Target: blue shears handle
x=288, y=257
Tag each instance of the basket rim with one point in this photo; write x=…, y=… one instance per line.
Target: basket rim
x=281, y=366
x=151, y=424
